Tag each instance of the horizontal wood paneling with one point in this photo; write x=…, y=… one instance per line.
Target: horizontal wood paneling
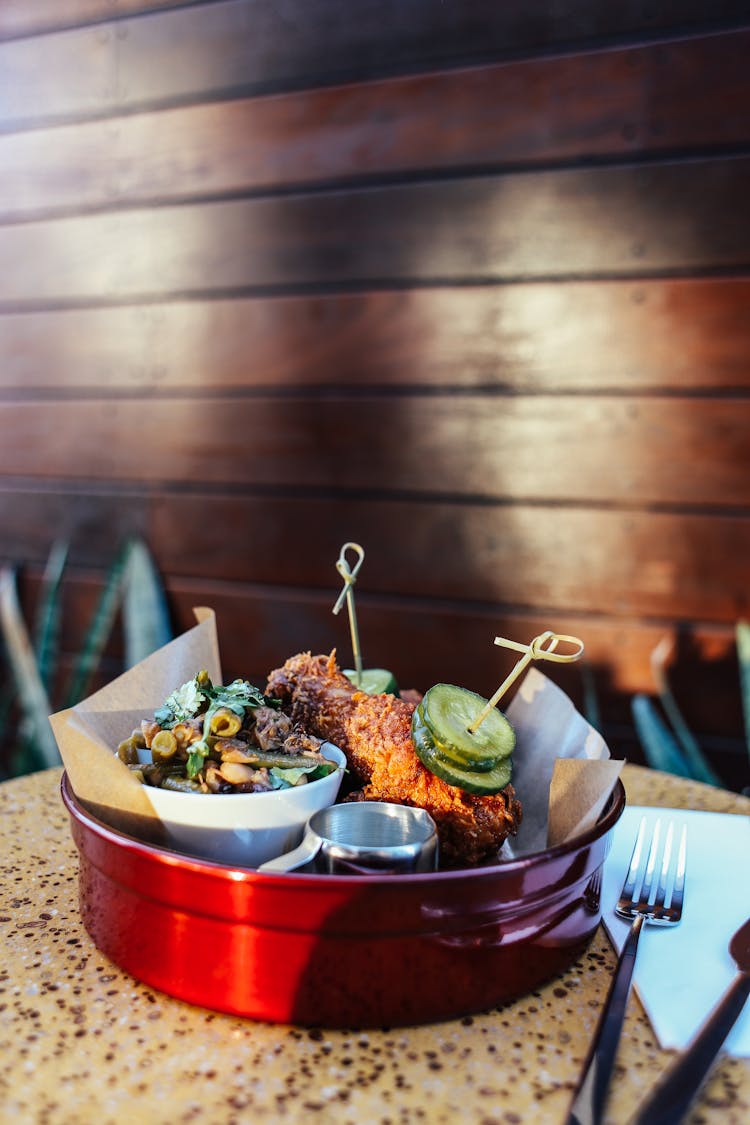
x=213, y=49
x=466, y=283
x=629, y=563
x=94, y=525
x=548, y=109
x=628, y=336
x=604, y=221
x=32, y=17
x=660, y=451
x=638, y=564
x=260, y=626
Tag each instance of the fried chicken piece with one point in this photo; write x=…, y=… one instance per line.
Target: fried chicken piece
x=374, y=731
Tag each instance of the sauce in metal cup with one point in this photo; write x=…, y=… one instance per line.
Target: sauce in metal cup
x=364, y=837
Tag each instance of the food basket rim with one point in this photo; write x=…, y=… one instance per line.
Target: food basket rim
x=234, y=874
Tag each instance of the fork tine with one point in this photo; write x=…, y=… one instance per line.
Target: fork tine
x=662, y=904
x=628, y=887
x=661, y=889
x=647, y=906
x=648, y=878
x=678, y=891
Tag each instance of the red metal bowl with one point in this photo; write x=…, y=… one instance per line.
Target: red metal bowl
x=332, y=950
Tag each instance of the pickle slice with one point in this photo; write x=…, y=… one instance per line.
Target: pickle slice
x=480, y=782
x=455, y=757
x=374, y=681
x=448, y=712
x=447, y=753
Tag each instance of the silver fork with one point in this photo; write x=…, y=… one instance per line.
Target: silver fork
x=641, y=903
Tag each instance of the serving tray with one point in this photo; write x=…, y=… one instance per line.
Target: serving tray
x=332, y=950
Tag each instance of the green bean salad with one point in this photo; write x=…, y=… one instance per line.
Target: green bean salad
x=213, y=738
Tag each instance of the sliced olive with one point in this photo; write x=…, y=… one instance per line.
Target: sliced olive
x=224, y=723
x=128, y=749
x=163, y=746
x=448, y=711
x=480, y=782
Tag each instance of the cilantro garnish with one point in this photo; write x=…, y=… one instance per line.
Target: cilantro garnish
x=287, y=778
x=201, y=697
x=184, y=703
x=198, y=753
x=237, y=696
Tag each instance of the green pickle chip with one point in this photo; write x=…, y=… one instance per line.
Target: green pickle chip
x=374, y=681
x=482, y=782
x=448, y=713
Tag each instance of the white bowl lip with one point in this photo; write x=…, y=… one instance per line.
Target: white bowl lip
x=327, y=749
x=200, y=823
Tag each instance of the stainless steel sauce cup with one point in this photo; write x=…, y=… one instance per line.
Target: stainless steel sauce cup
x=364, y=838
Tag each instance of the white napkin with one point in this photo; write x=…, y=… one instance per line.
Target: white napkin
x=682, y=971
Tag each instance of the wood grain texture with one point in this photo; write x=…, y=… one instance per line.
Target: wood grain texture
x=547, y=448
x=32, y=17
x=640, y=564
x=607, y=222
x=628, y=336
x=261, y=625
x=465, y=283
x=689, y=93
x=631, y=563
x=93, y=525
x=214, y=48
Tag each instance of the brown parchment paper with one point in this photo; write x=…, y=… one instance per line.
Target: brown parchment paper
x=88, y=733
x=562, y=772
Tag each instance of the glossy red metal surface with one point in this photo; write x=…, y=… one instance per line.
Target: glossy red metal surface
x=338, y=951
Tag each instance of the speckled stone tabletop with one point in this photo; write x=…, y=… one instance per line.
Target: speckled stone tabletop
x=81, y=1041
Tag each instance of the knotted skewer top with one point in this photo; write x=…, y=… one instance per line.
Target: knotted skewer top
x=543, y=647
x=349, y=576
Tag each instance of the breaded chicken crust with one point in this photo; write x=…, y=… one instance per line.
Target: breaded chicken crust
x=374, y=732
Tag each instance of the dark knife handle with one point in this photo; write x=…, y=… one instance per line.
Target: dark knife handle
x=591, y=1092
x=673, y=1093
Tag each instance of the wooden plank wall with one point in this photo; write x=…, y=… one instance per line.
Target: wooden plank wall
x=466, y=283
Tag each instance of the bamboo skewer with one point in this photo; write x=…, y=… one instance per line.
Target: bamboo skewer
x=347, y=595
x=542, y=647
